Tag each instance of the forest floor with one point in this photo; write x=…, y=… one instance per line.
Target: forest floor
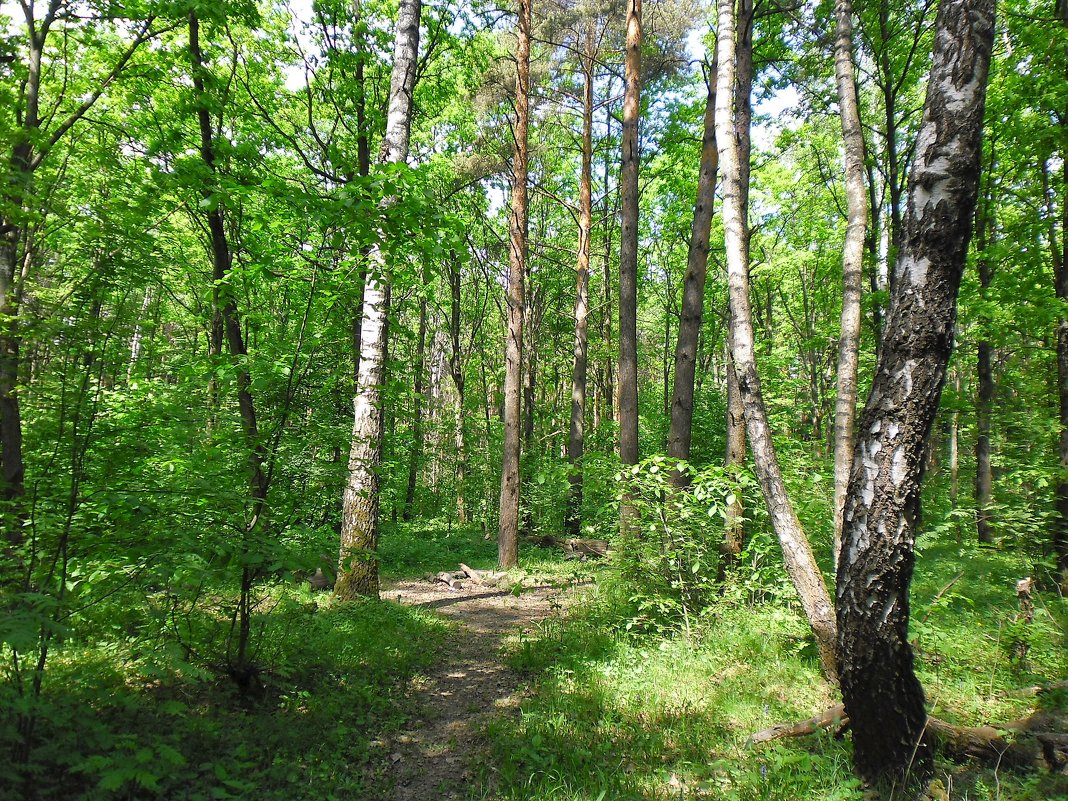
x=436, y=754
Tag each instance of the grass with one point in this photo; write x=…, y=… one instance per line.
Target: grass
x=613, y=711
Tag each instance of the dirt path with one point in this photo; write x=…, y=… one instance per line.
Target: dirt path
x=433, y=757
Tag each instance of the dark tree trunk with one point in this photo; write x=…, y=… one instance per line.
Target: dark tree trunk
x=984, y=402
x=576, y=436
x=358, y=562
x=508, y=534
x=456, y=369
x=883, y=698
x=628, y=243
x=680, y=432
x=416, y=456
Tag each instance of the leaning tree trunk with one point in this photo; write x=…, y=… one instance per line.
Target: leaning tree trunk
x=358, y=563
x=680, y=432
x=508, y=532
x=576, y=435
x=883, y=698
x=852, y=261
x=628, y=251
x=797, y=554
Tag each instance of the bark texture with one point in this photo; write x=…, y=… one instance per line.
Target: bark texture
x=797, y=554
x=1059, y=247
x=358, y=564
x=693, y=290
x=852, y=260
x=628, y=243
x=508, y=533
x=883, y=698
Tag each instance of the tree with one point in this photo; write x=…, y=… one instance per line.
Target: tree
x=358, y=565
x=852, y=259
x=508, y=534
x=883, y=698
x=628, y=245
x=797, y=553
x=693, y=293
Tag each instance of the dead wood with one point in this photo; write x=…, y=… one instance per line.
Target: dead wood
x=836, y=714
x=586, y=547
x=1033, y=742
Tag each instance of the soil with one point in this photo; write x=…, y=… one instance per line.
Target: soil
x=437, y=755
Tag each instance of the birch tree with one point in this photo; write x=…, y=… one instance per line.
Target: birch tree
x=358, y=565
x=883, y=697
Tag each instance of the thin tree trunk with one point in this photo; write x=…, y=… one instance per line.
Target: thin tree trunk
x=228, y=319
x=852, y=261
x=357, y=560
x=456, y=370
x=797, y=553
x=508, y=533
x=680, y=431
x=138, y=335
x=576, y=436
x=628, y=243
x=883, y=698
x=734, y=458
x=416, y=456
x=363, y=166
x=628, y=254
x=984, y=406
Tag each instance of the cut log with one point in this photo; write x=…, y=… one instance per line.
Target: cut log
x=474, y=575
x=587, y=547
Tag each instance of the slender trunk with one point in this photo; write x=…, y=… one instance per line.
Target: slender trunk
x=883, y=698
x=797, y=553
x=416, y=456
x=984, y=406
x=954, y=445
x=357, y=560
x=734, y=456
x=1059, y=253
x=628, y=243
x=456, y=370
x=680, y=431
x=138, y=335
x=611, y=207
x=363, y=166
x=576, y=436
x=852, y=261
x=228, y=319
x=508, y=533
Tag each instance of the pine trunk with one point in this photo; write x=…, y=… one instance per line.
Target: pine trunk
x=680, y=432
x=883, y=698
x=576, y=434
x=508, y=533
x=628, y=245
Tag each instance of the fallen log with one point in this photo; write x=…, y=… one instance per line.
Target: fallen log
x=1032, y=745
x=585, y=547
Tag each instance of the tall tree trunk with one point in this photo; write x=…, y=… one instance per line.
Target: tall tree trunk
x=984, y=402
x=1059, y=252
x=734, y=457
x=628, y=253
x=508, y=533
x=363, y=166
x=797, y=553
x=883, y=698
x=227, y=317
x=852, y=261
x=456, y=370
x=357, y=560
x=680, y=431
x=576, y=440
x=416, y=456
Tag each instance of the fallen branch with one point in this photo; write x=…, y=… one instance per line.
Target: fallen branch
x=1033, y=746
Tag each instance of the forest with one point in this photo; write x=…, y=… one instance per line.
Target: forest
x=542, y=401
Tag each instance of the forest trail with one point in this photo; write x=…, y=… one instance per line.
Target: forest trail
x=434, y=756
